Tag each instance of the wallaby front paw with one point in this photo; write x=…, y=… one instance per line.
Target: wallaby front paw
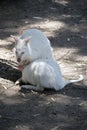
x=18, y=81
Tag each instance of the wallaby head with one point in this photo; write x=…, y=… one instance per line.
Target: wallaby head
x=21, y=50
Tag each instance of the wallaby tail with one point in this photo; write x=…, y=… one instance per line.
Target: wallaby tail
x=74, y=81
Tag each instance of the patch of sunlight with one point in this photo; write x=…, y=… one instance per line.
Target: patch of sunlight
x=22, y=127
x=83, y=105
x=61, y=99
x=48, y=26
x=52, y=25
x=62, y=2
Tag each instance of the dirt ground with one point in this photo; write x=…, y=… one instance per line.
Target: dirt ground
x=65, y=24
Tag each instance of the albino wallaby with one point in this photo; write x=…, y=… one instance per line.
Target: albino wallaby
x=38, y=66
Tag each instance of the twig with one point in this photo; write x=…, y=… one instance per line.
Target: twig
x=5, y=87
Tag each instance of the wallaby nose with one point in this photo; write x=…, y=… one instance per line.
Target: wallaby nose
x=18, y=59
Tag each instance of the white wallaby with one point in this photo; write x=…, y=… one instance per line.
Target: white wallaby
x=35, y=59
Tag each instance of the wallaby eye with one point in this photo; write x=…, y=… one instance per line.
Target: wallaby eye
x=22, y=53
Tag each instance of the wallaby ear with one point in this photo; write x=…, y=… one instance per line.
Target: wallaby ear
x=27, y=39
x=14, y=38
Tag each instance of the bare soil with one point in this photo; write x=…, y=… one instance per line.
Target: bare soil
x=65, y=24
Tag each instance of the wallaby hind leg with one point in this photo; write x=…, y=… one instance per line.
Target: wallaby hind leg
x=36, y=88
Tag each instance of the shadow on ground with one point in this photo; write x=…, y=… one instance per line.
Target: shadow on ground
x=7, y=70
x=62, y=110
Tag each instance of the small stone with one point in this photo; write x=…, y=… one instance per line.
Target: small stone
x=68, y=39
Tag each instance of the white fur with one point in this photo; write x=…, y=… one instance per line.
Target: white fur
x=39, y=46
x=42, y=70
